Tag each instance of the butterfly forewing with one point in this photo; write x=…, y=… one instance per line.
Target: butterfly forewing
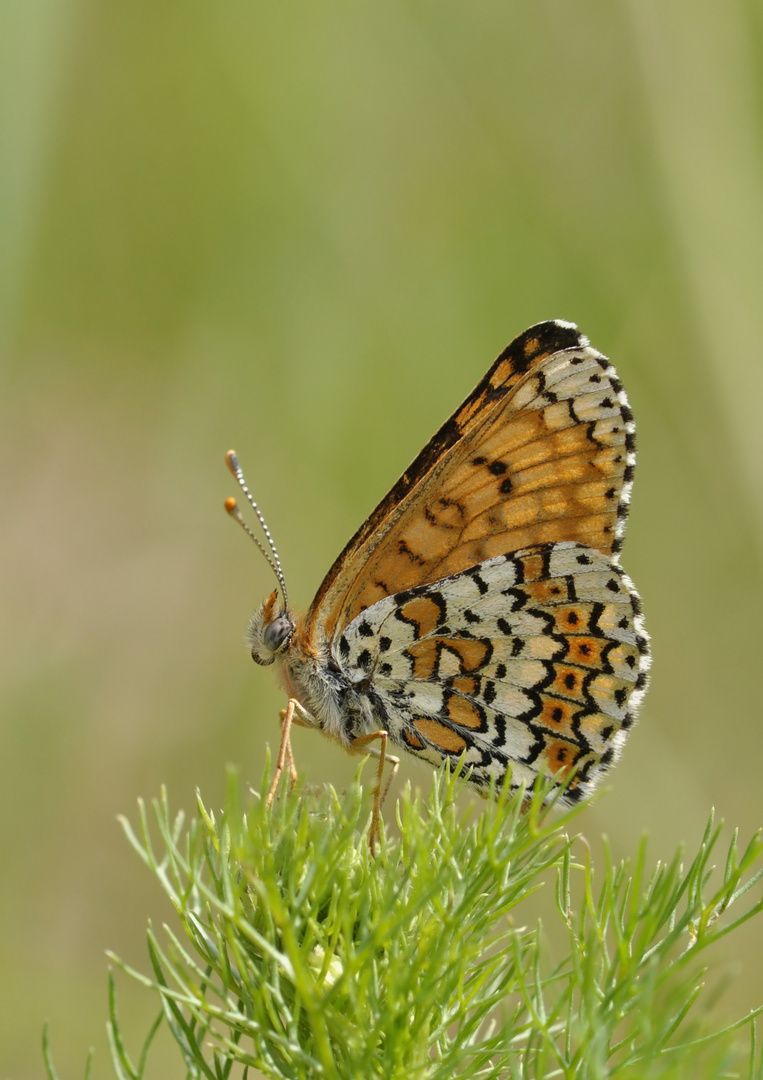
x=541, y=451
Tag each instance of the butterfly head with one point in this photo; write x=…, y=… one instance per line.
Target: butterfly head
x=270, y=630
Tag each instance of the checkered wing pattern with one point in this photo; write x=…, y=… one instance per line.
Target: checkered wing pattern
x=535, y=659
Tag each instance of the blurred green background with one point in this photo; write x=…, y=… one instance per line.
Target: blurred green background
x=305, y=230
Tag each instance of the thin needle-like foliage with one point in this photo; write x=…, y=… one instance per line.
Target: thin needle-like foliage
x=301, y=955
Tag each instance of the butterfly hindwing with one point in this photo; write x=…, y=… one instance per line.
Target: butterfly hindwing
x=535, y=659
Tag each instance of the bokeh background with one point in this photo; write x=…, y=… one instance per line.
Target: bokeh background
x=305, y=229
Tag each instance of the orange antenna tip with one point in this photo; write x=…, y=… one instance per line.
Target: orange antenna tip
x=231, y=505
x=231, y=460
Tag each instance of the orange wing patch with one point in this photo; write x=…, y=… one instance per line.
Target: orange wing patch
x=464, y=713
x=569, y=682
x=560, y=756
x=440, y=735
x=442, y=657
x=558, y=716
x=423, y=613
x=586, y=651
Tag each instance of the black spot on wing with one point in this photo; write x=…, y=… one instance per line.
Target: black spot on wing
x=479, y=582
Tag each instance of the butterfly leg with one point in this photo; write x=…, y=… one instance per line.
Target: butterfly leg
x=380, y=752
x=302, y=718
x=285, y=758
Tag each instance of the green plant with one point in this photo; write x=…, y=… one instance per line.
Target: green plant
x=303, y=956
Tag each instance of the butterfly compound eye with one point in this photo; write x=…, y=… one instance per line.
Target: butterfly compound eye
x=270, y=630
x=277, y=633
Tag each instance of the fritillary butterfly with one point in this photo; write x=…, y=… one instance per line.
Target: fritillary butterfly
x=480, y=611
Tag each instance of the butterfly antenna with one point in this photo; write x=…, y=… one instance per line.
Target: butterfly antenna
x=232, y=507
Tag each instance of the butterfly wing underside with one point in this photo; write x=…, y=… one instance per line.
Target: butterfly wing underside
x=481, y=606
x=535, y=660
x=542, y=450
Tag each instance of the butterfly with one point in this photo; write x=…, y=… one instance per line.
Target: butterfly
x=480, y=615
